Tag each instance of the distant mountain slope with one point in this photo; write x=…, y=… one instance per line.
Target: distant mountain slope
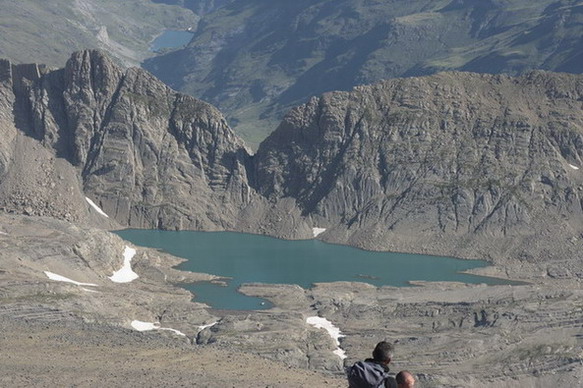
x=199, y=7
x=40, y=31
x=255, y=59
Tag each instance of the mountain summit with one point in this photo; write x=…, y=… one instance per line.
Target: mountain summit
x=150, y=157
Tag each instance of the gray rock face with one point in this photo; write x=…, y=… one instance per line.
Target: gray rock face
x=148, y=156
x=451, y=335
x=478, y=163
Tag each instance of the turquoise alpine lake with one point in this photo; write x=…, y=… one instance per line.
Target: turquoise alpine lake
x=170, y=39
x=248, y=258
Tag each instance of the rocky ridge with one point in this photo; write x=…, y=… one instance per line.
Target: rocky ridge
x=148, y=156
x=255, y=60
x=460, y=164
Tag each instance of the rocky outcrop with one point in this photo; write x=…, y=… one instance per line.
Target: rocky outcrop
x=35, y=247
x=457, y=163
x=148, y=156
x=450, y=335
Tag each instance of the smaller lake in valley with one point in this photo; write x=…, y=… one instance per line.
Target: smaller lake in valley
x=170, y=39
x=248, y=258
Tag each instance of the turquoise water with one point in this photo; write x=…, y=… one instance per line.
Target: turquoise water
x=171, y=39
x=248, y=258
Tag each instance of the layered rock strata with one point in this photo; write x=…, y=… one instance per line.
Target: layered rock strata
x=148, y=156
x=449, y=335
x=457, y=163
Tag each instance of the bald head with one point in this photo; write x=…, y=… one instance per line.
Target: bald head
x=405, y=379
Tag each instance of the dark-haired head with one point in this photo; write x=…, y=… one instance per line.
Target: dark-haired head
x=383, y=352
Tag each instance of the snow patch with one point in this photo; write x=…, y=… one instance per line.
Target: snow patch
x=340, y=353
x=144, y=326
x=97, y=208
x=4, y=233
x=573, y=167
x=333, y=331
x=318, y=231
x=202, y=327
x=173, y=330
x=88, y=290
x=59, y=278
x=125, y=274
x=147, y=326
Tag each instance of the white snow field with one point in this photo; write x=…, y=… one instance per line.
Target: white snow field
x=147, y=326
x=60, y=278
x=318, y=231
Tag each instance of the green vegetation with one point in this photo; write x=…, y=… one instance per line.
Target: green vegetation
x=256, y=59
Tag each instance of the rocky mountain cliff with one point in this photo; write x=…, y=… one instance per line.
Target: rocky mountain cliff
x=148, y=156
x=458, y=163
x=462, y=164
x=255, y=59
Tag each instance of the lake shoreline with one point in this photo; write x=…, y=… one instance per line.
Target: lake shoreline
x=165, y=41
x=242, y=258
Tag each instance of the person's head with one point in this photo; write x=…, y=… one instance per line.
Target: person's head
x=405, y=379
x=383, y=352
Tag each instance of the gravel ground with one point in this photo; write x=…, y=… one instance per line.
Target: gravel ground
x=75, y=354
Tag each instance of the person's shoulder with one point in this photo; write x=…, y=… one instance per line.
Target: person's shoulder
x=391, y=382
